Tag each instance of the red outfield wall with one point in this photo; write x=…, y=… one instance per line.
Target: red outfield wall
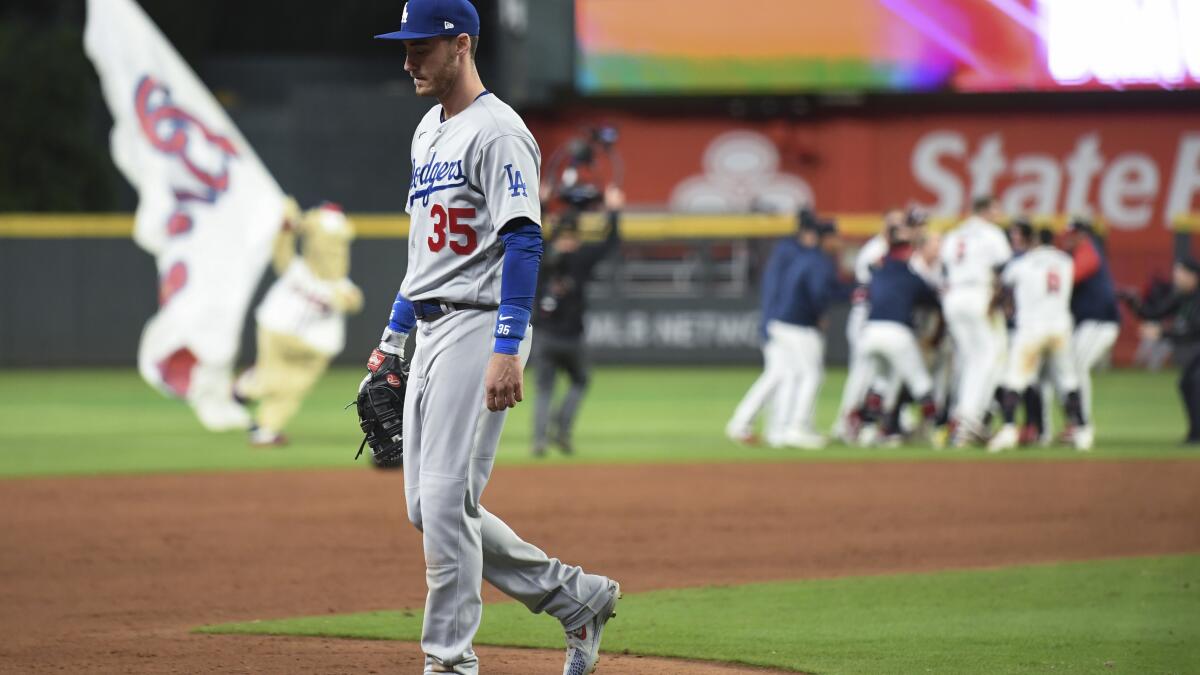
x=1138, y=172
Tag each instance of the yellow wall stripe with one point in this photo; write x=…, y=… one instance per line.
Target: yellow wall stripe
x=634, y=226
x=65, y=226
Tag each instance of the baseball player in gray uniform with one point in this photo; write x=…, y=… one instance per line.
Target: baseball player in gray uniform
x=474, y=246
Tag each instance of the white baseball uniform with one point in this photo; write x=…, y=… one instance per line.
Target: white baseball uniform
x=792, y=374
x=872, y=251
x=472, y=174
x=1041, y=283
x=1091, y=342
x=969, y=255
x=890, y=348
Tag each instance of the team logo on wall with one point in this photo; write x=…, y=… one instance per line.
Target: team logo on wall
x=741, y=174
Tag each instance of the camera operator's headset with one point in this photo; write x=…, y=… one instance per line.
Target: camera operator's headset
x=583, y=151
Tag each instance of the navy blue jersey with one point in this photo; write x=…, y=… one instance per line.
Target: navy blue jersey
x=1094, y=297
x=772, y=282
x=808, y=286
x=799, y=285
x=896, y=290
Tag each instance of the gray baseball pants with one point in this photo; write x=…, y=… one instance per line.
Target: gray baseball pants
x=450, y=441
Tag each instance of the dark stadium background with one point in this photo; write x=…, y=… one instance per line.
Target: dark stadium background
x=330, y=110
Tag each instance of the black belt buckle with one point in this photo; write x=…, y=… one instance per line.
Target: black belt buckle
x=429, y=310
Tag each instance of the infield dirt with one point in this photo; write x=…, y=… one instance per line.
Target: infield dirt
x=110, y=574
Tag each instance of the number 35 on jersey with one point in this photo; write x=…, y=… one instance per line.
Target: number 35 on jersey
x=452, y=227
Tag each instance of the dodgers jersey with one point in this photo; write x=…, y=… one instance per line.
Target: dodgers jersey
x=1041, y=282
x=971, y=252
x=471, y=175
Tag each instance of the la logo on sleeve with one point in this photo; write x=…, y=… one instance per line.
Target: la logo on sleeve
x=516, y=184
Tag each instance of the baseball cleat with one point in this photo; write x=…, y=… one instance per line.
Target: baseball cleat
x=265, y=438
x=839, y=428
x=565, y=445
x=805, y=440
x=741, y=436
x=940, y=438
x=583, y=643
x=967, y=434
x=1005, y=439
x=848, y=428
x=1083, y=438
x=868, y=436
x=1030, y=435
x=890, y=440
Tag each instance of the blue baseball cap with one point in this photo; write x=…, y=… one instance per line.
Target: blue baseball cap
x=430, y=18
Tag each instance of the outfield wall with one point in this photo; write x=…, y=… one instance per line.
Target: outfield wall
x=77, y=291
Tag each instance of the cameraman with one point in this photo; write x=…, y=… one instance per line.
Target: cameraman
x=1177, y=318
x=558, y=317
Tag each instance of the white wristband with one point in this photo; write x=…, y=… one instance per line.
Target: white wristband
x=392, y=342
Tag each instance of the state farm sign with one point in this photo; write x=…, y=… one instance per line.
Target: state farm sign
x=1136, y=170
x=1129, y=189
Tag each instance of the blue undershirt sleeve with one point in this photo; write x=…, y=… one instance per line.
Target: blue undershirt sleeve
x=522, y=239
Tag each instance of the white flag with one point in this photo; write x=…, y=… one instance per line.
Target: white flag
x=208, y=210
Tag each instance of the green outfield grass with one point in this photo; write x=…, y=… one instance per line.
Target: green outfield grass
x=1138, y=616
x=105, y=421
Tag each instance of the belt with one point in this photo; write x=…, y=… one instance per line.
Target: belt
x=432, y=310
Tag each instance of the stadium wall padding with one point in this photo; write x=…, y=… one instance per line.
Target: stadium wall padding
x=83, y=302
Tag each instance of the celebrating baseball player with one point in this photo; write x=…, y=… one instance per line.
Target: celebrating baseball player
x=1093, y=305
x=888, y=345
x=970, y=256
x=799, y=283
x=871, y=252
x=474, y=247
x=1022, y=239
x=1041, y=285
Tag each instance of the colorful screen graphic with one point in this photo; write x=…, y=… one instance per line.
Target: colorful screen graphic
x=781, y=46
